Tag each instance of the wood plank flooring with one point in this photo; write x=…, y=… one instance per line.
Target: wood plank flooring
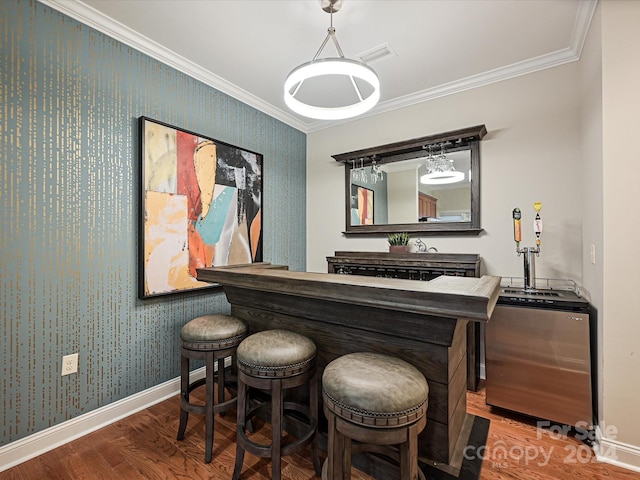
x=144, y=446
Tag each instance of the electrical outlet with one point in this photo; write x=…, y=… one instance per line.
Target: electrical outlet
x=69, y=364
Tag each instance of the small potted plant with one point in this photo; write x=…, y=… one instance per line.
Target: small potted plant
x=398, y=242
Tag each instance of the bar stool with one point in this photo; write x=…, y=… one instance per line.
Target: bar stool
x=274, y=361
x=376, y=400
x=211, y=338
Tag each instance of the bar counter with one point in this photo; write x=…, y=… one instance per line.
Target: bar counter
x=423, y=323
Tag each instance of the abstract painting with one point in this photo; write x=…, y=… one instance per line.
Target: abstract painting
x=200, y=206
x=361, y=206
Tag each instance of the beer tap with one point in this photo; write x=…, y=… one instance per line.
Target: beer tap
x=529, y=252
x=537, y=224
x=517, y=228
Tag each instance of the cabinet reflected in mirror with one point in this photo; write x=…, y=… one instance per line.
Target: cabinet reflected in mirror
x=388, y=189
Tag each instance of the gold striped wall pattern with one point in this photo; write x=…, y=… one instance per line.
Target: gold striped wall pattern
x=69, y=102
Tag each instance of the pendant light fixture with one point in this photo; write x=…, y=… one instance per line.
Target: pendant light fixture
x=320, y=67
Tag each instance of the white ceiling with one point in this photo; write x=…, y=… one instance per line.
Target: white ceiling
x=246, y=48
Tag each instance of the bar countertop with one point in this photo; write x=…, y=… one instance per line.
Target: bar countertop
x=464, y=298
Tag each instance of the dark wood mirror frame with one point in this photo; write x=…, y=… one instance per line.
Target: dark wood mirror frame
x=464, y=139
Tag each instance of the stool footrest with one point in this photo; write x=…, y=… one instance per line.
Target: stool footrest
x=264, y=451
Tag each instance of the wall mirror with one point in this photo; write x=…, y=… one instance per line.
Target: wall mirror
x=428, y=185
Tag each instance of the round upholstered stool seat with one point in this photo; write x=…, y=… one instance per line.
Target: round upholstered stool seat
x=212, y=338
x=276, y=353
x=373, y=399
x=211, y=332
x=274, y=361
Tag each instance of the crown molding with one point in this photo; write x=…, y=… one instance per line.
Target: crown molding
x=586, y=10
x=91, y=17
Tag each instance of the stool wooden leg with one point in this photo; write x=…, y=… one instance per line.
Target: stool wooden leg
x=221, y=382
x=409, y=455
x=276, y=427
x=345, y=442
x=338, y=451
x=331, y=442
x=313, y=411
x=184, y=393
x=241, y=418
x=208, y=431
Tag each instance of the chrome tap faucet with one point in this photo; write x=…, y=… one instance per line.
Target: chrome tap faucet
x=529, y=258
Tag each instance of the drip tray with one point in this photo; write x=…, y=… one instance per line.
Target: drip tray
x=549, y=293
x=534, y=293
x=544, y=298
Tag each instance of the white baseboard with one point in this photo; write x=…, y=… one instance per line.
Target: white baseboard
x=617, y=453
x=607, y=451
x=29, y=447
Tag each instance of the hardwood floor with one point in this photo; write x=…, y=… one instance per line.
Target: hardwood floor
x=144, y=446
x=516, y=449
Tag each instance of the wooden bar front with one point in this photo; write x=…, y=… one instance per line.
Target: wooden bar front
x=423, y=267
x=423, y=323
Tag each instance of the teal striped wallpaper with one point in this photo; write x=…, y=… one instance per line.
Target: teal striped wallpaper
x=69, y=102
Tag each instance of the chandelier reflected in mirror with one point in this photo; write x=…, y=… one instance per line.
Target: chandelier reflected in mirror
x=318, y=68
x=440, y=169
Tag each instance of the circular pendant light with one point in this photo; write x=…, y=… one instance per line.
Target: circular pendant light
x=441, y=178
x=317, y=68
x=332, y=66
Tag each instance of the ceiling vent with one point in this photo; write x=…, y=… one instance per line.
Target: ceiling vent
x=376, y=54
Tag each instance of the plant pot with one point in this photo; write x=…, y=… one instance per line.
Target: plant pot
x=398, y=248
